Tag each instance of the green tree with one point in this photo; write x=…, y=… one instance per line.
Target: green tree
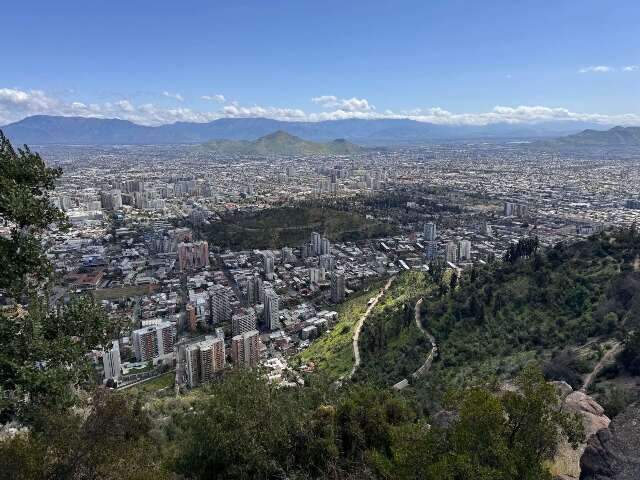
x=42, y=350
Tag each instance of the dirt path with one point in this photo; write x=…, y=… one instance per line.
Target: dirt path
x=606, y=358
x=356, y=335
x=424, y=368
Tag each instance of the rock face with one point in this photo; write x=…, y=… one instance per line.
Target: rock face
x=566, y=464
x=614, y=453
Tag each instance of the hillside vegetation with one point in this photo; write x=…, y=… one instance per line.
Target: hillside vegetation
x=281, y=143
x=391, y=345
x=544, y=305
x=291, y=226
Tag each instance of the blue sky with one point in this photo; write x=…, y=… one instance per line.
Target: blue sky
x=450, y=61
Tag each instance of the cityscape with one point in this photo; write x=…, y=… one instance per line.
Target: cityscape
x=274, y=281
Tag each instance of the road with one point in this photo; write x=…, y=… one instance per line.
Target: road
x=606, y=358
x=356, y=335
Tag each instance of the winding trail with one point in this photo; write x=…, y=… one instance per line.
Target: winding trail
x=356, y=335
x=424, y=368
x=606, y=358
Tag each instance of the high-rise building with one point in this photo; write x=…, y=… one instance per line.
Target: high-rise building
x=513, y=209
x=316, y=243
x=337, y=287
x=192, y=320
x=245, y=349
x=287, y=255
x=219, y=298
x=193, y=256
x=271, y=309
x=429, y=232
x=328, y=262
x=111, y=362
x=451, y=252
x=243, y=321
x=155, y=342
x=316, y=275
x=325, y=246
x=431, y=250
x=111, y=200
x=255, y=290
x=464, y=250
x=203, y=360
x=268, y=264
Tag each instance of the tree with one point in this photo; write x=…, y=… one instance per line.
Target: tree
x=453, y=281
x=108, y=441
x=630, y=356
x=42, y=350
x=508, y=435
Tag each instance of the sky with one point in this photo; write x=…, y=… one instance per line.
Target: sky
x=443, y=61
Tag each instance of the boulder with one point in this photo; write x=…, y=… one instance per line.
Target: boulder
x=614, y=453
x=566, y=464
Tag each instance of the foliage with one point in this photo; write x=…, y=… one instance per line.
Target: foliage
x=505, y=314
x=333, y=353
x=391, y=345
x=630, y=356
x=42, y=351
x=109, y=441
x=282, y=226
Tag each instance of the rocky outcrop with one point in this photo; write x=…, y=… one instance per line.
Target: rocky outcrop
x=614, y=453
x=566, y=464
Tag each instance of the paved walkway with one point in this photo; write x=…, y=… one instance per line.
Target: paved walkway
x=356, y=335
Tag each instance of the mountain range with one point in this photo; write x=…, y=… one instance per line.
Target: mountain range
x=44, y=129
x=614, y=137
x=281, y=143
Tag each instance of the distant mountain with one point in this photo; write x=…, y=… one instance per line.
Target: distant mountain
x=43, y=129
x=614, y=137
x=281, y=143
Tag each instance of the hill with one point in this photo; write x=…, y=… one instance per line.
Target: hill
x=281, y=143
x=614, y=137
x=43, y=129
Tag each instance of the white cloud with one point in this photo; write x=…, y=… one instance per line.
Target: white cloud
x=631, y=68
x=597, y=69
x=175, y=96
x=218, y=97
x=345, y=104
x=16, y=104
x=237, y=111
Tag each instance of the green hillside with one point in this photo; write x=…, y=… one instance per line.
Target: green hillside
x=281, y=143
x=616, y=136
x=564, y=303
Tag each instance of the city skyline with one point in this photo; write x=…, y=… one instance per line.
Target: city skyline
x=442, y=62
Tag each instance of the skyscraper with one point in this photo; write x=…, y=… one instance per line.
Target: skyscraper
x=192, y=256
x=325, y=246
x=245, y=349
x=155, y=342
x=451, y=252
x=219, y=296
x=271, y=309
x=429, y=232
x=316, y=243
x=328, y=262
x=255, y=290
x=111, y=361
x=464, y=250
x=431, y=250
x=268, y=263
x=204, y=359
x=243, y=321
x=337, y=287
